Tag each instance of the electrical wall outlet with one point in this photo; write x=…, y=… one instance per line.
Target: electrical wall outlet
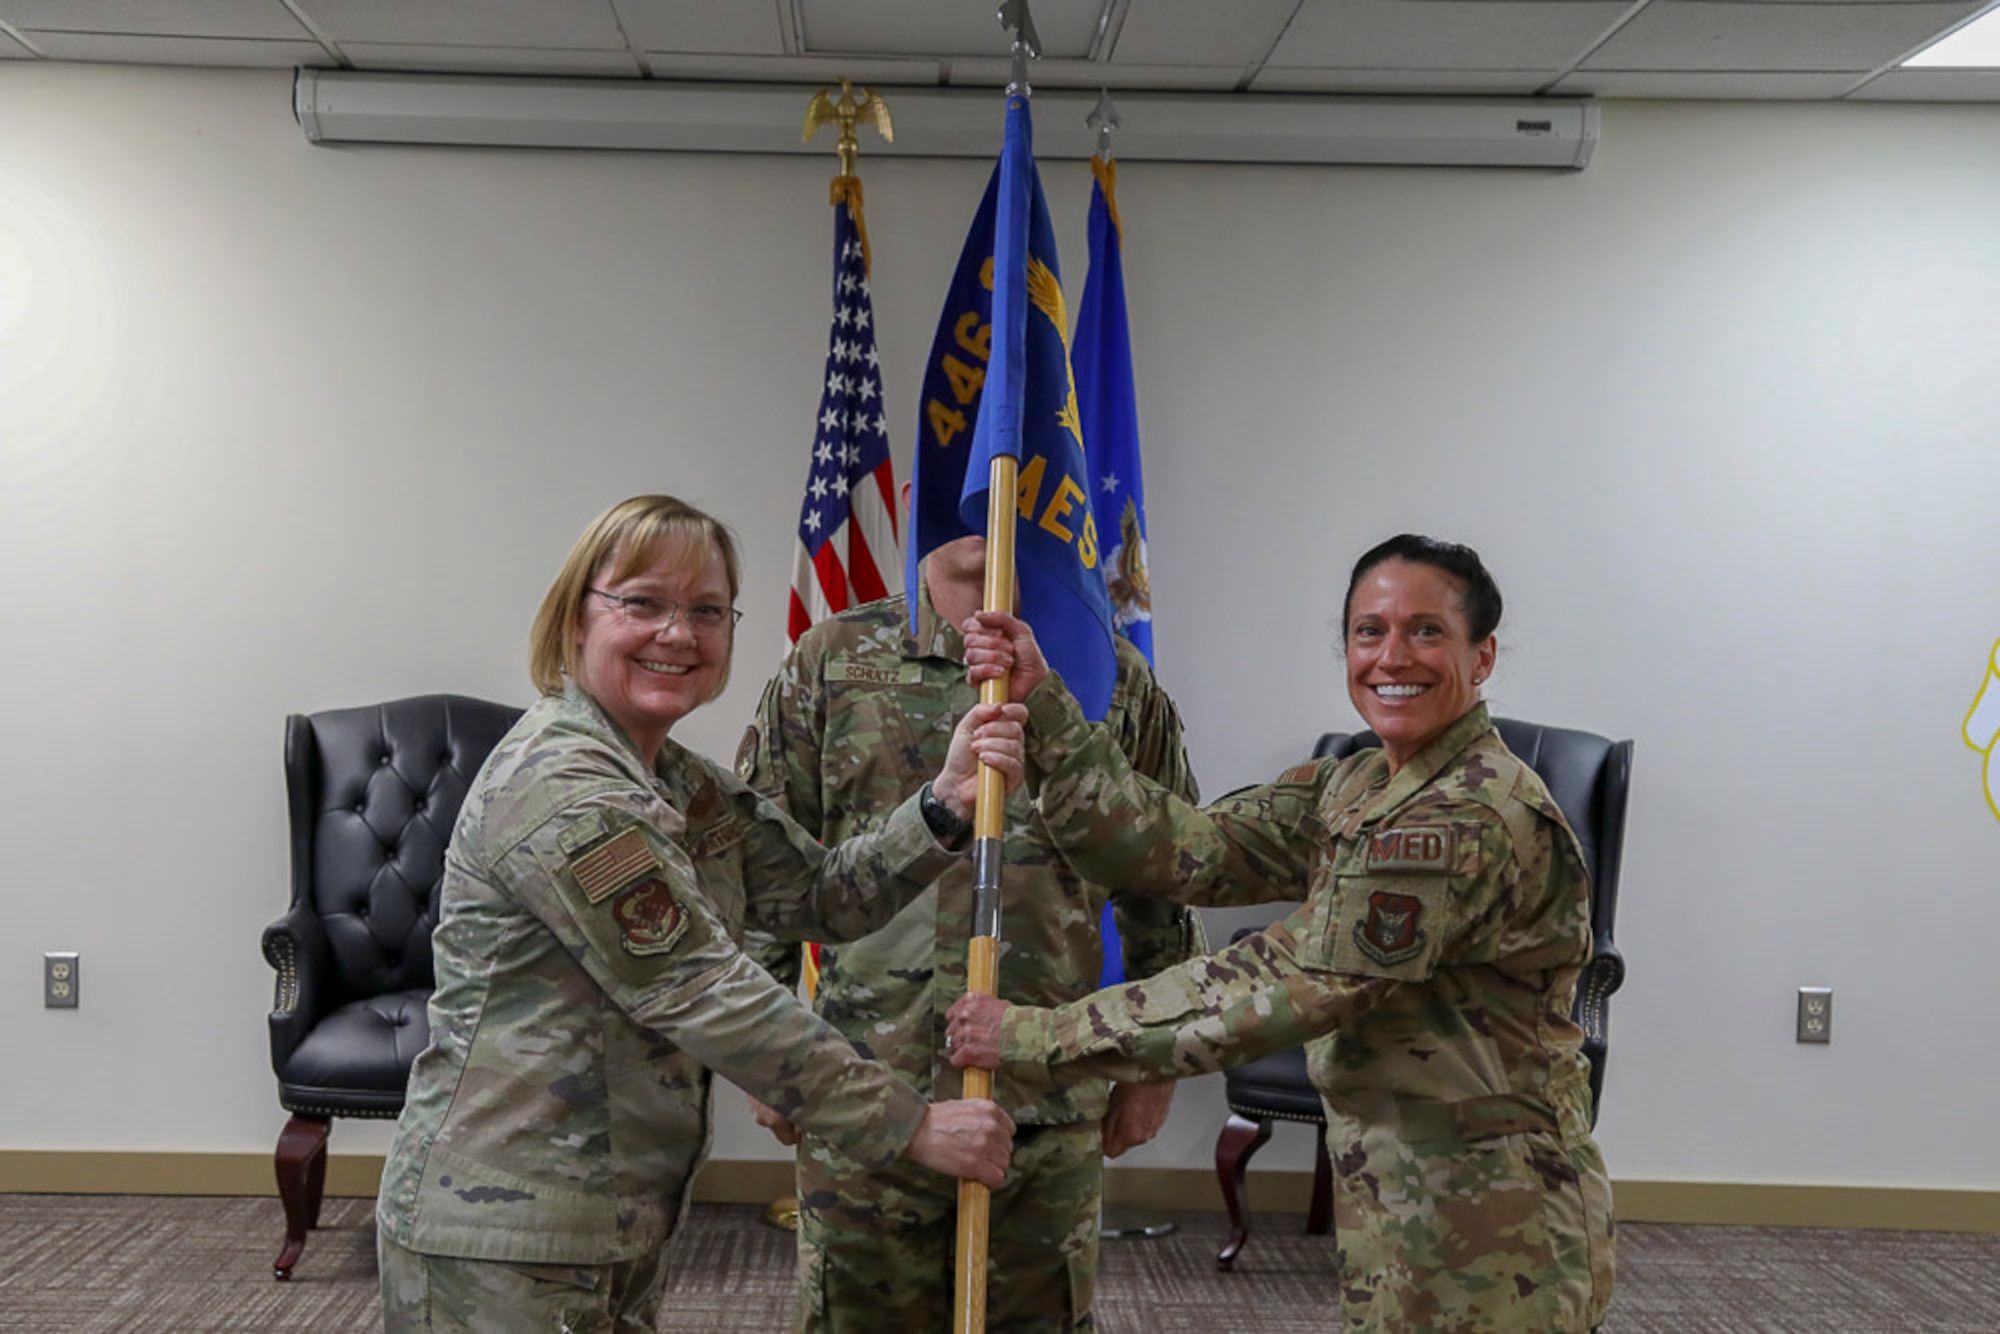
x=59, y=980
x=1815, y=1014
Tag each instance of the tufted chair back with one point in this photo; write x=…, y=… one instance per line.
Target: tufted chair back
x=373, y=793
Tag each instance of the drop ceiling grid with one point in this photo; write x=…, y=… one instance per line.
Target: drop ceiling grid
x=1931, y=85
x=1691, y=35
x=129, y=49
x=946, y=28
x=517, y=60
x=265, y=19
x=791, y=69
x=1714, y=85
x=557, y=25
x=709, y=27
x=1735, y=49
x=1445, y=34
x=1201, y=33
x=983, y=73
x=1423, y=83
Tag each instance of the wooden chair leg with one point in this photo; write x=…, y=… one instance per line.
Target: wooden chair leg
x=1319, y=1219
x=316, y=1183
x=1240, y=1138
x=301, y=1168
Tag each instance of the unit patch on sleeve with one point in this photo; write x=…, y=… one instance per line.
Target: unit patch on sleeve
x=613, y=864
x=649, y=920
x=1417, y=847
x=1391, y=933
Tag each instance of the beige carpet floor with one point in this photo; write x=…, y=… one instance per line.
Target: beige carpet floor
x=179, y=1265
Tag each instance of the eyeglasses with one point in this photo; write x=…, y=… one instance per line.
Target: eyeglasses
x=658, y=613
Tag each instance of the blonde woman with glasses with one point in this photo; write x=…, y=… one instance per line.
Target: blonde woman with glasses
x=589, y=976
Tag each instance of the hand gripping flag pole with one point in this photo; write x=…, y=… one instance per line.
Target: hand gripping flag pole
x=1000, y=456
x=1000, y=412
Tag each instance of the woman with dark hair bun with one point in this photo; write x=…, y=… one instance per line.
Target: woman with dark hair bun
x=1432, y=968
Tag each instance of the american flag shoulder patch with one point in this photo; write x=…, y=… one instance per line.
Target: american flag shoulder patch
x=1300, y=773
x=613, y=864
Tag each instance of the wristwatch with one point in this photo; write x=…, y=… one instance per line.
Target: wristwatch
x=946, y=826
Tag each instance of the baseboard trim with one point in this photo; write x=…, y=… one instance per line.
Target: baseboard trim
x=46, y=1172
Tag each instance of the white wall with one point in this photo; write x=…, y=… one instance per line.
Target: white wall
x=287, y=428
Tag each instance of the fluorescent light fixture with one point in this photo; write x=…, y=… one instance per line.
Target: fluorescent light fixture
x=347, y=107
x=1976, y=45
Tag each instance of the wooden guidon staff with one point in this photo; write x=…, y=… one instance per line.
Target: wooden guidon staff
x=982, y=962
x=989, y=816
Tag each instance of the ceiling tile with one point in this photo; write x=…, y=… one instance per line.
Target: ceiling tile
x=1427, y=83
x=791, y=69
x=1721, y=86
x=124, y=50
x=1095, y=74
x=740, y=27
x=492, y=60
x=1932, y=85
x=161, y=18
x=1445, y=34
x=1704, y=35
x=565, y=25
x=1200, y=32
x=935, y=28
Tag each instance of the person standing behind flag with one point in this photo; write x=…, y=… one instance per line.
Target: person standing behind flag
x=859, y=706
x=856, y=708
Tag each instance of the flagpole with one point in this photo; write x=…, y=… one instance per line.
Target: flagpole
x=810, y=592
x=989, y=816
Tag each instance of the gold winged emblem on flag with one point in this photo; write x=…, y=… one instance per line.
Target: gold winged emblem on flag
x=1130, y=586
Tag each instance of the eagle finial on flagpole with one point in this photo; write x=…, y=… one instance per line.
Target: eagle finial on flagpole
x=1014, y=17
x=843, y=113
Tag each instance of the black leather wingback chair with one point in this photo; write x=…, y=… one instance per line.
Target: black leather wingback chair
x=373, y=795
x=1590, y=777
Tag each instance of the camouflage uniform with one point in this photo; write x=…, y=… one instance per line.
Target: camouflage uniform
x=589, y=978
x=859, y=709
x=1434, y=963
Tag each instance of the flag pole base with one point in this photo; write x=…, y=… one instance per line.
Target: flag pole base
x=1118, y=1225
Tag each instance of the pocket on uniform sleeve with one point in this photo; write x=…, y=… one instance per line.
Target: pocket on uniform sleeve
x=1164, y=997
x=1388, y=925
x=1320, y=929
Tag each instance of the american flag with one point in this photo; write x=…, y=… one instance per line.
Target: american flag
x=847, y=524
